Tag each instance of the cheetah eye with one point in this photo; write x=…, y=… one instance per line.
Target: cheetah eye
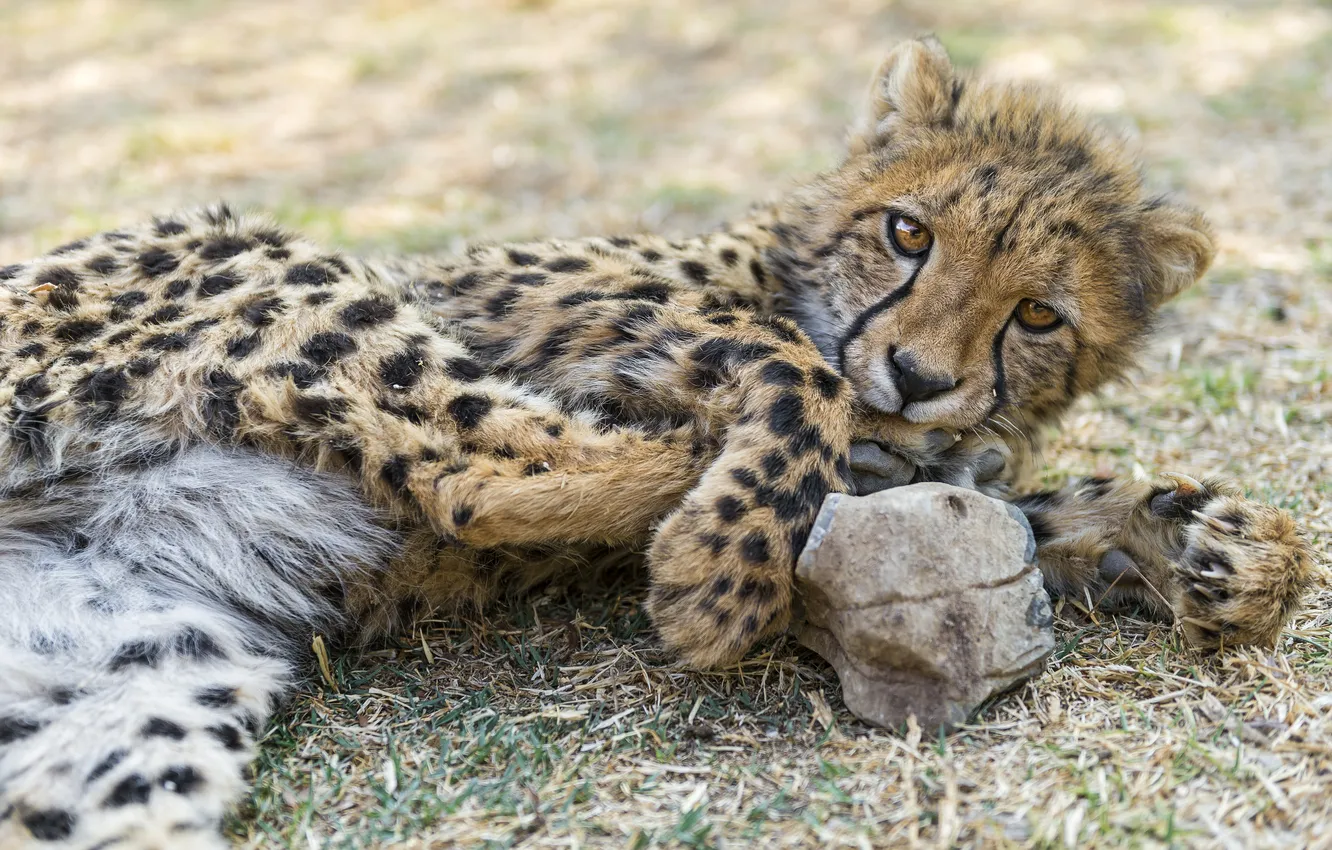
x=909, y=236
x=1035, y=316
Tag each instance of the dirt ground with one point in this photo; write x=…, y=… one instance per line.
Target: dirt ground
x=556, y=721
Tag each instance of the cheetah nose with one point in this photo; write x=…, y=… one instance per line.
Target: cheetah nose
x=915, y=385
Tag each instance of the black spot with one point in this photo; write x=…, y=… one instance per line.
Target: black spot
x=271, y=237
x=529, y=279
x=782, y=374
x=469, y=409
x=827, y=382
x=59, y=276
x=464, y=369
x=307, y=274
x=226, y=734
x=787, y=416
x=17, y=728
x=221, y=411
x=314, y=299
x=303, y=375
x=723, y=319
x=568, y=264
x=50, y=824
x=774, y=464
x=760, y=589
x=168, y=227
x=121, y=336
x=621, y=241
x=166, y=342
x=650, y=255
x=141, y=367
x=278, y=254
x=106, y=387
x=195, y=643
x=126, y=301
x=328, y=347
x=402, y=371
x=582, y=296
x=156, y=262
x=653, y=291
x=261, y=311
x=522, y=258
x=465, y=283
x=162, y=315
x=754, y=548
x=337, y=263
x=716, y=543
x=503, y=301
x=104, y=264
x=368, y=312
x=106, y=765
x=30, y=328
x=77, y=330
x=217, y=696
x=695, y=271
x=243, y=346
x=1040, y=527
x=63, y=696
x=160, y=727
x=182, y=779
x=10, y=272
x=32, y=349
x=785, y=329
x=224, y=248
x=216, y=284
x=70, y=247
x=394, y=472
x=32, y=388
x=462, y=514
x=131, y=790
x=141, y=653
x=747, y=478
x=29, y=428
x=321, y=409
x=730, y=509
x=756, y=269
x=729, y=256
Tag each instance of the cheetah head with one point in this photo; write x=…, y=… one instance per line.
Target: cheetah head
x=982, y=253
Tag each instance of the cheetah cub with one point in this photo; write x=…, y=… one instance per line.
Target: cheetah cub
x=218, y=438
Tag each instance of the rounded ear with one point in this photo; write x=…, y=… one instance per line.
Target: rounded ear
x=914, y=85
x=1180, y=248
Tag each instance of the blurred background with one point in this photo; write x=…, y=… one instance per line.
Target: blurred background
x=392, y=125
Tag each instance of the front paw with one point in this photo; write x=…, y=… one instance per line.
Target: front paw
x=1242, y=574
x=935, y=455
x=717, y=591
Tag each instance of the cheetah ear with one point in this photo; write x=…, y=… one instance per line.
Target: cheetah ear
x=914, y=85
x=1180, y=248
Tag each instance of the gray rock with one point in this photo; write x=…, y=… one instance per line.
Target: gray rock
x=926, y=600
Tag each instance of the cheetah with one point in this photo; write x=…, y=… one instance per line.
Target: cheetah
x=218, y=439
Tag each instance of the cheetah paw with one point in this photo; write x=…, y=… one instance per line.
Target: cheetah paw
x=1243, y=570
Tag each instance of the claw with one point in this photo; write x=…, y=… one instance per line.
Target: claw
x=1211, y=593
x=1220, y=526
x=1183, y=483
x=1206, y=625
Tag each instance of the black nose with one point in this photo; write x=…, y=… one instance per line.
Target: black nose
x=913, y=384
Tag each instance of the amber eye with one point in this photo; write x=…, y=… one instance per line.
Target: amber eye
x=1036, y=316
x=909, y=237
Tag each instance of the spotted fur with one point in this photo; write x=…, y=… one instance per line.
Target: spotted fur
x=219, y=438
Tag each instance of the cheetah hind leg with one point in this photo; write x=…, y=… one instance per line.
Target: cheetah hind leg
x=154, y=615
x=1229, y=569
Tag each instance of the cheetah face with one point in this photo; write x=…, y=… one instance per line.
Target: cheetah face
x=983, y=254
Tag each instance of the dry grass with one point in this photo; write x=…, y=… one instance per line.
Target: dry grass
x=402, y=125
